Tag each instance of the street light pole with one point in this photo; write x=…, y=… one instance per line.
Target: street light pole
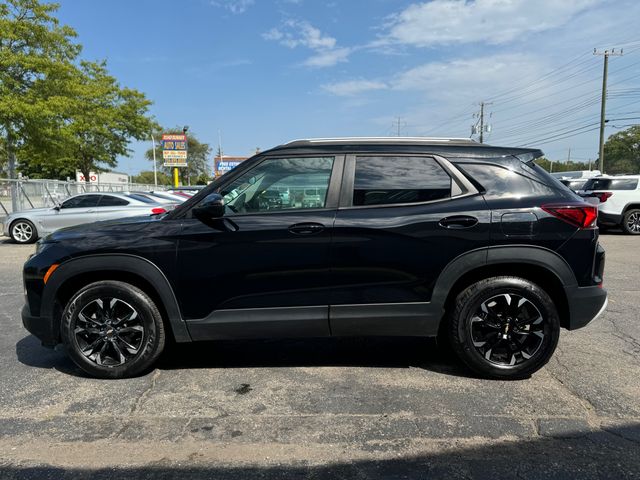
x=155, y=168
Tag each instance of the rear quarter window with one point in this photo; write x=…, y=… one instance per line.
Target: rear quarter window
x=502, y=182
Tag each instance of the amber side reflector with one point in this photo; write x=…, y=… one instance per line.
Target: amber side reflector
x=52, y=269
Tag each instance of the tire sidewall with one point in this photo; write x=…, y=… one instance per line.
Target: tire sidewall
x=34, y=233
x=531, y=292
x=153, y=339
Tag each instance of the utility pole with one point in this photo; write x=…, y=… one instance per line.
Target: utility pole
x=603, y=107
x=480, y=126
x=155, y=168
x=569, y=155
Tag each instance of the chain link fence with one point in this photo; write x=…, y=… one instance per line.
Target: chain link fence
x=19, y=194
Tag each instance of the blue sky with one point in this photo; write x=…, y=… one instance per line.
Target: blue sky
x=264, y=72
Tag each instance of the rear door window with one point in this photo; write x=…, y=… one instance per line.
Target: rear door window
x=394, y=180
x=111, y=201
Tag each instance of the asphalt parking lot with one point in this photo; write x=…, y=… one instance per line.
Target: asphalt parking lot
x=348, y=408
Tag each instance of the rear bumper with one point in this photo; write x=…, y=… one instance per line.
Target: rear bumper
x=585, y=305
x=609, y=218
x=39, y=327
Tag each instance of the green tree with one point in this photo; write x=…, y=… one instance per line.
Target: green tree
x=104, y=117
x=198, y=170
x=622, y=151
x=562, y=166
x=148, y=178
x=37, y=70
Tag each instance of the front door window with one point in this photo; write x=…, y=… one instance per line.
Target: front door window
x=280, y=184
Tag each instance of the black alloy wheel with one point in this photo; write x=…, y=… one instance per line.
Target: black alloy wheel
x=504, y=327
x=507, y=329
x=109, y=331
x=112, y=330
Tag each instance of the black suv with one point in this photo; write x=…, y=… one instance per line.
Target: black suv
x=474, y=244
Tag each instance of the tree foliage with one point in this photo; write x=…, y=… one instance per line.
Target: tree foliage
x=148, y=178
x=59, y=114
x=198, y=170
x=558, y=166
x=622, y=151
x=36, y=72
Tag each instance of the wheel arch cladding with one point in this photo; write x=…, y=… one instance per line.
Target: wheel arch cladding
x=140, y=272
x=539, y=265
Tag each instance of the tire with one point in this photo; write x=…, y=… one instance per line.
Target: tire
x=631, y=222
x=23, y=231
x=119, y=341
x=523, y=318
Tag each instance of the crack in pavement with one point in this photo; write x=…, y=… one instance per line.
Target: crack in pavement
x=625, y=337
x=137, y=403
x=146, y=392
x=592, y=418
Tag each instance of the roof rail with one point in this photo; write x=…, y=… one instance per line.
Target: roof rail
x=384, y=139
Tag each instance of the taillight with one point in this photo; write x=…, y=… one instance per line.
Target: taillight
x=157, y=211
x=602, y=196
x=581, y=215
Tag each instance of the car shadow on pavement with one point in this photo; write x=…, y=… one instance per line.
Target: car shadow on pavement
x=613, y=453
x=376, y=352
x=30, y=352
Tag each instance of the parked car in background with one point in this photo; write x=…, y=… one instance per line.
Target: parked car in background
x=473, y=244
x=574, y=184
x=619, y=201
x=159, y=197
x=576, y=180
x=187, y=192
x=29, y=225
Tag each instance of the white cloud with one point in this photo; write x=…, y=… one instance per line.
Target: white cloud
x=353, y=87
x=298, y=33
x=234, y=6
x=441, y=22
x=328, y=58
x=473, y=76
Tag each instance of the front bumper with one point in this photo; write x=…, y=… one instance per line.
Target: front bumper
x=585, y=305
x=39, y=327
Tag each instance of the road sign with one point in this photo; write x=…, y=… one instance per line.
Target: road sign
x=174, y=150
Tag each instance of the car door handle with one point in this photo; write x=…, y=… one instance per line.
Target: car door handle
x=458, y=222
x=308, y=228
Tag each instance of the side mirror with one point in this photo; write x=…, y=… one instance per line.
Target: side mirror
x=211, y=207
x=57, y=207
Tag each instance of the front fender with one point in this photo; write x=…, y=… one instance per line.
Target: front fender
x=119, y=263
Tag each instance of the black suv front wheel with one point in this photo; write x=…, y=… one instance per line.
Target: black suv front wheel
x=504, y=327
x=112, y=330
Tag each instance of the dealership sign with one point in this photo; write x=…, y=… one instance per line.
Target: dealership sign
x=174, y=150
x=224, y=167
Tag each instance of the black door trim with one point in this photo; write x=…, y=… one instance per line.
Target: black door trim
x=385, y=319
x=275, y=322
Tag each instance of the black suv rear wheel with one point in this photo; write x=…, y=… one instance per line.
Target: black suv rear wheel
x=504, y=327
x=112, y=330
